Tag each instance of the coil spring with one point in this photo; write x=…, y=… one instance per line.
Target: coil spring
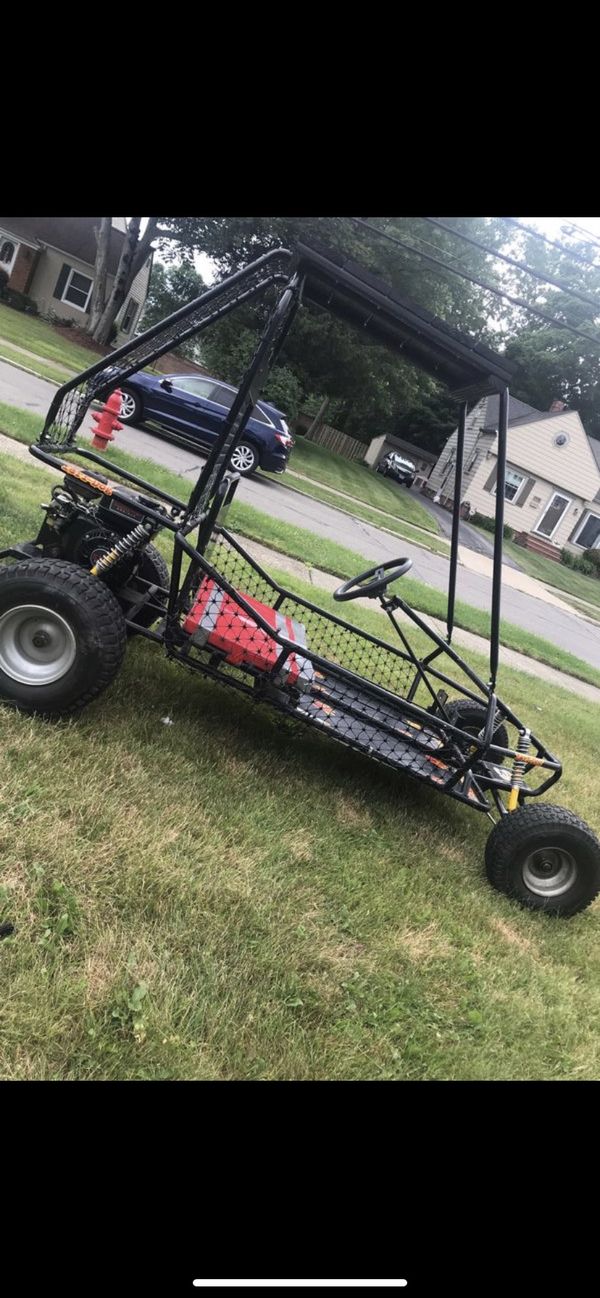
x=141, y=533
x=518, y=770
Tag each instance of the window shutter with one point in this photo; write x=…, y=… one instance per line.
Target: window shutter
x=61, y=281
x=525, y=492
x=491, y=482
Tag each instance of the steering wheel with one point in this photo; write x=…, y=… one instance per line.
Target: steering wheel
x=374, y=581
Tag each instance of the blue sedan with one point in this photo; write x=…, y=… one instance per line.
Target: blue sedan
x=193, y=407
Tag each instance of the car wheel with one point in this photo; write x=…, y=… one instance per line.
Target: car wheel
x=244, y=459
x=131, y=407
x=409, y=482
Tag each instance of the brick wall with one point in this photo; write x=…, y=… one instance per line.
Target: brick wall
x=22, y=269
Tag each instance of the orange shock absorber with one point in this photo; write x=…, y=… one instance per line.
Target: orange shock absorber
x=518, y=770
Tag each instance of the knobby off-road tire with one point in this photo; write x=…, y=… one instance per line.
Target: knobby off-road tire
x=546, y=858
x=62, y=636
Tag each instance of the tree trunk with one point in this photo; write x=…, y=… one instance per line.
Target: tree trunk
x=318, y=419
x=134, y=254
x=98, y=301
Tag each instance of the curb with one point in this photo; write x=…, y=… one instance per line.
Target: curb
x=35, y=374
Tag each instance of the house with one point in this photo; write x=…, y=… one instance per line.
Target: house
x=51, y=260
x=552, y=492
x=381, y=446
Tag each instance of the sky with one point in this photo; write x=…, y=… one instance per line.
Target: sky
x=550, y=225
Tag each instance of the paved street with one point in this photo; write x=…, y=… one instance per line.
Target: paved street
x=567, y=630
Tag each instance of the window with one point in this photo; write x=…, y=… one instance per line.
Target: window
x=223, y=396
x=514, y=482
x=7, y=253
x=588, y=536
x=262, y=417
x=129, y=315
x=77, y=290
x=196, y=386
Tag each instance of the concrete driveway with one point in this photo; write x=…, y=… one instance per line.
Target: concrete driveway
x=567, y=630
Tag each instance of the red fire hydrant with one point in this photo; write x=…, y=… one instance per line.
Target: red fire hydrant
x=107, y=422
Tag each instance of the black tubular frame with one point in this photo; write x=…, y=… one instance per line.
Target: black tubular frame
x=330, y=282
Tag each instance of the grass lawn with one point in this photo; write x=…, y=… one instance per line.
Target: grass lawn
x=358, y=481
x=557, y=575
x=233, y=897
x=554, y=574
x=43, y=368
x=39, y=337
x=313, y=550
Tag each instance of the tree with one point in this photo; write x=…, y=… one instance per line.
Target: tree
x=171, y=287
x=370, y=388
x=98, y=299
x=134, y=254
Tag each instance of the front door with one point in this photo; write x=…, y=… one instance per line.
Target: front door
x=552, y=515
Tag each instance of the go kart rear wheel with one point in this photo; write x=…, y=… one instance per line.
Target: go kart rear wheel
x=62, y=636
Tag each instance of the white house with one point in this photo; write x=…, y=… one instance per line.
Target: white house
x=552, y=493
x=51, y=260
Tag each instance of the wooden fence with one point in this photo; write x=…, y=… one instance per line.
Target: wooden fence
x=338, y=442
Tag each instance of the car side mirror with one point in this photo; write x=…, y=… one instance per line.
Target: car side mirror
x=166, y=383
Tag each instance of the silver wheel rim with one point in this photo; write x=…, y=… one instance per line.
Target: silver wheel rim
x=127, y=405
x=37, y=645
x=242, y=459
x=549, y=871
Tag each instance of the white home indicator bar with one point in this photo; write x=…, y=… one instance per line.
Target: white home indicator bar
x=299, y=1284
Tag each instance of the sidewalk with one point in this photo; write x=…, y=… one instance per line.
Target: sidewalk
x=326, y=581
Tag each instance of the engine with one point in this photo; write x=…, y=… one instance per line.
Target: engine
x=84, y=529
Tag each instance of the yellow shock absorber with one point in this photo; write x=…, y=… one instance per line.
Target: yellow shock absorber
x=140, y=534
x=518, y=770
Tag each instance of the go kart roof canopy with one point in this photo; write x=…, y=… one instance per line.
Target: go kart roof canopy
x=353, y=294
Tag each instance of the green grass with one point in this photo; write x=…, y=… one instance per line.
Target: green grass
x=356, y=480
x=556, y=575
x=39, y=367
x=571, y=583
x=230, y=897
x=317, y=552
x=356, y=510
x=37, y=336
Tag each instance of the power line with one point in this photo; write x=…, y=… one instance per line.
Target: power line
x=582, y=230
x=515, y=301
x=520, y=265
x=537, y=234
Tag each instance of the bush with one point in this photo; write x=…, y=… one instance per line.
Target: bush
x=489, y=525
x=3, y=281
x=19, y=301
x=593, y=557
x=586, y=565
